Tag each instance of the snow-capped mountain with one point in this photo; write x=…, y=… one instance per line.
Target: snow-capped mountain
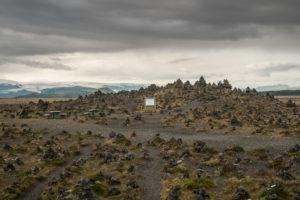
x=11, y=89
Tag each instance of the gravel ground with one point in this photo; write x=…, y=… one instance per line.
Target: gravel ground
x=150, y=176
x=148, y=130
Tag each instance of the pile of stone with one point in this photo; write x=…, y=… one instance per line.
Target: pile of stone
x=241, y=194
x=174, y=193
x=50, y=154
x=83, y=191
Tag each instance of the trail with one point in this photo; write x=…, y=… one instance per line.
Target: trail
x=36, y=190
x=150, y=175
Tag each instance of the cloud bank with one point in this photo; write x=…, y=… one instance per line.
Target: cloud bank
x=180, y=38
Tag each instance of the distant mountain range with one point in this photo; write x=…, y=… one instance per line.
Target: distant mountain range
x=276, y=88
x=12, y=89
x=282, y=93
x=279, y=90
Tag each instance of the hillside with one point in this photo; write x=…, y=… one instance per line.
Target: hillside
x=200, y=106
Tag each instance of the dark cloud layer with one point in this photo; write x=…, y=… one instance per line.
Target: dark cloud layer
x=279, y=68
x=31, y=27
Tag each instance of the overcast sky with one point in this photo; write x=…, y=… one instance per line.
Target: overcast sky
x=249, y=42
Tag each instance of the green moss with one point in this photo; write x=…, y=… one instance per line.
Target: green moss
x=192, y=184
x=97, y=177
x=21, y=174
x=202, y=182
x=206, y=183
x=210, y=150
x=276, y=164
x=261, y=153
x=226, y=169
x=18, y=150
x=280, y=192
x=237, y=148
x=76, y=170
x=120, y=140
x=101, y=190
x=212, y=162
x=230, y=153
x=174, y=170
x=75, y=149
x=157, y=140
x=56, y=162
x=25, y=183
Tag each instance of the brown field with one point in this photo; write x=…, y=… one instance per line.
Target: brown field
x=295, y=99
x=27, y=100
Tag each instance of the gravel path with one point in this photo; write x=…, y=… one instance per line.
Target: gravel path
x=37, y=189
x=150, y=175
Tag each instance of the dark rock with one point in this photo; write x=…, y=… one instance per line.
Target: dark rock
x=139, y=145
x=133, y=134
x=112, y=181
x=272, y=197
x=19, y=161
x=128, y=143
x=130, y=169
x=297, y=197
x=50, y=154
x=138, y=117
x=201, y=194
x=241, y=194
x=114, y=192
x=83, y=190
x=131, y=184
x=112, y=134
x=185, y=154
x=295, y=149
x=285, y=175
x=290, y=104
x=9, y=167
x=199, y=146
x=235, y=122
x=174, y=193
x=7, y=147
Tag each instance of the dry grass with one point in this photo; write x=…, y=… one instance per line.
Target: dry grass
x=27, y=100
x=295, y=99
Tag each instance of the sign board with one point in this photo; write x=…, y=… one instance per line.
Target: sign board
x=149, y=102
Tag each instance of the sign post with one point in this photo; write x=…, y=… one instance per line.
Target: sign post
x=150, y=102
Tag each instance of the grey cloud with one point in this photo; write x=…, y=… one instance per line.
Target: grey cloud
x=278, y=68
x=43, y=65
x=114, y=25
x=35, y=64
x=180, y=60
